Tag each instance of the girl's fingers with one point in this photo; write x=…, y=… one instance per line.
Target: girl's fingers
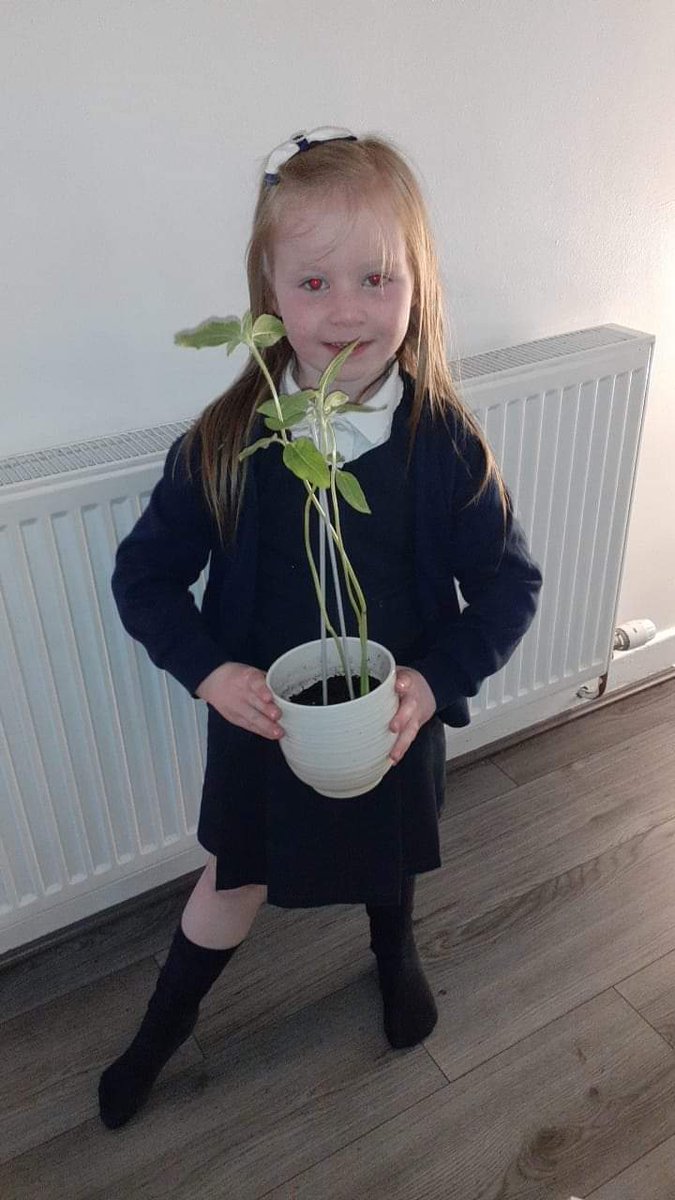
x=270, y=711
x=406, y=710
x=404, y=742
x=262, y=723
x=406, y=722
x=273, y=733
x=265, y=701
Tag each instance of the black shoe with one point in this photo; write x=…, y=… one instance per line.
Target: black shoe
x=126, y=1084
x=410, y=1011
x=185, y=978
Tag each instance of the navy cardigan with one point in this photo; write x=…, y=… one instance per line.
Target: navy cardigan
x=457, y=538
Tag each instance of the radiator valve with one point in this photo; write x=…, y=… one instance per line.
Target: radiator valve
x=632, y=634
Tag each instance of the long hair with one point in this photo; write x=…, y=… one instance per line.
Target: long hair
x=369, y=169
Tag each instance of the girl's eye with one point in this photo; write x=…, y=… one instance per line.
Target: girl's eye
x=313, y=285
x=376, y=279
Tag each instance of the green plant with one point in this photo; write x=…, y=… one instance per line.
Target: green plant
x=313, y=460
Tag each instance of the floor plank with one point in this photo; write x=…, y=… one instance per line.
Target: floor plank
x=508, y=846
x=473, y=784
x=651, y=991
x=292, y=960
x=267, y=1107
x=52, y=1057
x=650, y=1178
x=548, y=895
x=557, y=1114
x=115, y=943
x=504, y=974
x=605, y=728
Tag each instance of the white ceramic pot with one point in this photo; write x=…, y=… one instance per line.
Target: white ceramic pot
x=341, y=750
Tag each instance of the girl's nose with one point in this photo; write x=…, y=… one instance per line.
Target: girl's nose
x=348, y=309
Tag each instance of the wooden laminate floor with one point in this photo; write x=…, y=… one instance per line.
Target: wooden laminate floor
x=549, y=938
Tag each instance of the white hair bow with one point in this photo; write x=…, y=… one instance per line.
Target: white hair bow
x=299, y=142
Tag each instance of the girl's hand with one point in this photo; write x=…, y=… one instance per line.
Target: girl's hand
x=416, y=705
x=239, y=693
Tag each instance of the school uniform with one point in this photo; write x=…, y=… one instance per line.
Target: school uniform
x=424, y=532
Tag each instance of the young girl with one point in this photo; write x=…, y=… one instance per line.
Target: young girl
x=340, y=250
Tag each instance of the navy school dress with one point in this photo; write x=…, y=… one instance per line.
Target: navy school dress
x=262, y=823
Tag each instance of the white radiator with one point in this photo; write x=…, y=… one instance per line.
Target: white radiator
x=101, y=755
x=564, y=417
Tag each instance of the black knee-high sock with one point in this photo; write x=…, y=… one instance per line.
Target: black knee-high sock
x=171, y=1015
x=409, y=1008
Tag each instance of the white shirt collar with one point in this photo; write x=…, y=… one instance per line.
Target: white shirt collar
x=372, y=427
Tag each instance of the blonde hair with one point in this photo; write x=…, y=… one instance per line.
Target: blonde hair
x=363, y=170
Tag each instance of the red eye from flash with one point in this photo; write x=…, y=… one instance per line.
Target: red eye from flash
x=375, y=280
x=314, y=284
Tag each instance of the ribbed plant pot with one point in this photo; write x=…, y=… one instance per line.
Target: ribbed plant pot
x=341, y=750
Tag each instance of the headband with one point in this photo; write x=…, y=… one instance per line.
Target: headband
x=299, y=142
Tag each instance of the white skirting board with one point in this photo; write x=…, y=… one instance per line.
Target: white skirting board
x=86, y=901
x=630, y=667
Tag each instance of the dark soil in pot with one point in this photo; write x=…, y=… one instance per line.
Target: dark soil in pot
x=337, y=691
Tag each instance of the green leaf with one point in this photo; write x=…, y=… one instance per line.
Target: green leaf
x=335, y=401
x=305, y=461
x=268, y=330
x=215, y=331
x=261, y=444
x=335, y=365
x=288, y=423
x=349, y=487
x=291, y=406
x=247, y=326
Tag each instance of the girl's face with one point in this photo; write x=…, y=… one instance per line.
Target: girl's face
x=330, y=289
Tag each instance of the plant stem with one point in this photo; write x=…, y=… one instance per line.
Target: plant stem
x=308, y=487
x=355, y=593
x=338, y=598
x=319, y=595
x=358, y=602
x=324, y=647
x=327, y=432
x=263, y=367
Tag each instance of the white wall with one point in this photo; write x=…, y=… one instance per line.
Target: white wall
x=135, y=131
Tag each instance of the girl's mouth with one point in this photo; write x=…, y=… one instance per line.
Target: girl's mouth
x=337, y=346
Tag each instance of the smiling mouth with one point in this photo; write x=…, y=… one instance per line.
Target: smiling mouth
x=341, y=345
